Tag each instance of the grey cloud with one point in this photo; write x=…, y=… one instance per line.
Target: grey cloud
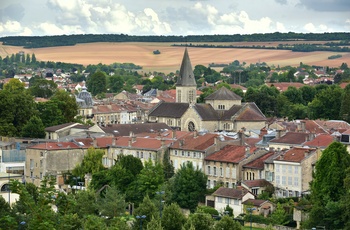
x=326, y=5
x=13, y=12
x=283, y=2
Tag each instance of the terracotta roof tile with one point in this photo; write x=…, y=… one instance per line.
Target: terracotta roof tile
x=230, y=192
x=259, y=162
x=256, y=183
x=321, y=140
x=230, y=154
x=168, y=109
x=55, y=146
x=191, y=142
x=291, y=138
x=255, y=202
x=295, y=154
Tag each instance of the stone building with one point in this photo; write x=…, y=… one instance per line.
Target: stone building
x=222, y=110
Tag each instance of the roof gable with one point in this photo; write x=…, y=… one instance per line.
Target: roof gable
x=168, y=109
x=223, y=94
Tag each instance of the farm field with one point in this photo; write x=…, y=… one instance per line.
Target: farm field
x=141, y=53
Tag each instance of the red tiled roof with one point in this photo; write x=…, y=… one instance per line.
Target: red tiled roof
x=255, y=202
x=295, y=154
x=55, y=146
x=259, y=162
x=283, y=86
x=321, y=140
x=230, y=192
x=230, y=154
x=190, y=142
x=313, y=127
x=142, y=142
x=291, y=138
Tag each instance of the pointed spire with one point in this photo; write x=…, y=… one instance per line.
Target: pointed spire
x=186, y=77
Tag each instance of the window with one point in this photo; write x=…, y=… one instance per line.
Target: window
x=227, y=185
x=175, y=152
x=41, y=175
x=188, y=154
x=296, y=169
x=289, y=169
x=219, y=199
x=41, y=154
x=138, y=154
x=227, y=126
x=296, y=181
x=233, y=173
x=191, y=126
x=141, y=154
x=227, y=200
x=194, y=155
x=208, y=171
x=214, y=183
x=105, y=161
x=150, y=155
x=283, y=168
x=227, y=172
x=183, y=153
x=278, y=180
x=214, y=171
x=31, y=164
x=255, y=191
x=221, y=172
x=284, y=180
x=236, y=202
x=221, y=107
x=191, y=96
x=277, y=168
x=41, y=163
x=290, y=180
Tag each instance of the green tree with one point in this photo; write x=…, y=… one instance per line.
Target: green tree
x=147, y=208
x=201, y=221
x=43, y=88
x=168, y=168
x=34, y=128
x=327, y=187
x=67, y=104
x=112, y=204
x=172, y=217
x=92, y=222
x=33, y=58
x=189, y=186
x=345, y=200
x=115, y=84
x=7, y=112
x=50, y=113
x=92, y=163
x=227, y=223
x=345, y=104
x=279, y=216
x=155, y=224
x=150, y=178
x=294, y=95
x=97, y=83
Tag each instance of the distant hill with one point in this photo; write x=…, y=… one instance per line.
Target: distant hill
x=69, y=40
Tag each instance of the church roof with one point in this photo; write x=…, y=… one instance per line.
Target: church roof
x=223, y=94
x=206, y=112
x=169, y=109
x=186, y=76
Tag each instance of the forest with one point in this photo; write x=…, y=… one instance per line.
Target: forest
x=69, y=40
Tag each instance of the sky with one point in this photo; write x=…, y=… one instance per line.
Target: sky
x=171, y=17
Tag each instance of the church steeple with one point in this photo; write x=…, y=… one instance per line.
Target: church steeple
x=186, y=82
x=186, y=77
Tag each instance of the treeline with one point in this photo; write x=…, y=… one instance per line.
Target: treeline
x=69, y=40
x=293, y=47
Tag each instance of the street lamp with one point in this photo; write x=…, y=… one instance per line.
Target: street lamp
x=160, y=193
x=141, y=218
x=251, y=213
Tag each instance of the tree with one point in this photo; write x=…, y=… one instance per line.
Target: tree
x=294, y=95
x=43, y=88
x=189, y=186
x=67, y=104
x=147, y=208
x=7, y=112
x=34, y=128
x=227, y=223
x=150, y=178
x=168, y=168
x=50, y=113
x=155, y=224
x=115, y=84
x=327, y=187
x=345, y=104
x=92, y=163
x=112, y=204
x=172, y=217
x=279, y=216
x=97, y=83
x=201, y=221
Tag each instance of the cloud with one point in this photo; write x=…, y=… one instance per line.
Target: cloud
x=283, y=2
x=13, y=28
x=326, y=5
x=105, y=17
x=311, y=28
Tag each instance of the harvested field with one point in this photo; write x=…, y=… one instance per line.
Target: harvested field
x=170, y=58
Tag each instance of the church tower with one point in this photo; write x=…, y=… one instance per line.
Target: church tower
x=186, y=83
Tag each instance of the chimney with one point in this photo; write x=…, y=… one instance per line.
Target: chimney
x=263, y=132
x=181, y=142
x=302, y=124
x=162, y=143
x=94, y=142
x=306, y=153
x=195, y=134
x=278, y=133
x=129, y=143
x=247, y=151
x=113, y=141
x=131, y=134
x=241, y=138
x=133, y=139
x=174, y=134
x=216, y=143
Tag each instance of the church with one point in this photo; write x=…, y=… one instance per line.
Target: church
x=222, y=111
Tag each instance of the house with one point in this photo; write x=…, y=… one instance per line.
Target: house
x=194, y=147
x=254, y=170
x=289, y=139
x=261, y=207
x=293, y=171
x=61, y=131
x=225, y=165
x=232, y=197
x=283, y=86
x=257, y=186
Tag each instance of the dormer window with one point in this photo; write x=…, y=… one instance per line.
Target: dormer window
x=221, y=107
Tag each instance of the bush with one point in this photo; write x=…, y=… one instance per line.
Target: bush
x=207, y=209
x=256, y=219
